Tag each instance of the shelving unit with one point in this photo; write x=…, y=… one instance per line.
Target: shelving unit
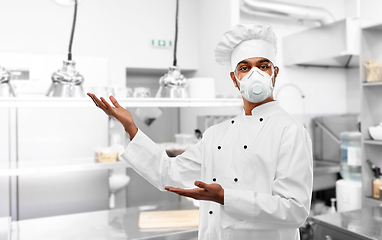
x=126, y=102
x=371, y=115
x=372, y=142
x=15, y=169
x=31, y=168
x=25, y=168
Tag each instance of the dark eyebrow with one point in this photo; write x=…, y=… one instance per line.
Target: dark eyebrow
x=263, y=60
x=245, y=62
x=260, y=61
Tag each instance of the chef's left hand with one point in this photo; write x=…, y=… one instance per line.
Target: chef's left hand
x=209, y=192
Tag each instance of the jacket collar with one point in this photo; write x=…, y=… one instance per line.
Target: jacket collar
x=265, y=109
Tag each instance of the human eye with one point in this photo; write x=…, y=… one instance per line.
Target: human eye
x=243, y=68
x=264, y=67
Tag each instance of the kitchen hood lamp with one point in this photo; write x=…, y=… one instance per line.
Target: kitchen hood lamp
x=173, y=84
x=6, y=89
x=67, y=82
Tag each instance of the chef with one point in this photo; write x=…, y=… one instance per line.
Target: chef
x=253, y=172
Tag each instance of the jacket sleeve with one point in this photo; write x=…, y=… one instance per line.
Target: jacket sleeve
x=152, y=162
x=288, y=205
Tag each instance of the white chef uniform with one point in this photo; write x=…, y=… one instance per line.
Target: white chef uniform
x=263, y=162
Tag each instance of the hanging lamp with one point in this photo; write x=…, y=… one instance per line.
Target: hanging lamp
x=67, y=82
x=173, y=83
x=6, y=89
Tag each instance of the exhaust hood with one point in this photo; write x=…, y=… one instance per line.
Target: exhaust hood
x=332, y=45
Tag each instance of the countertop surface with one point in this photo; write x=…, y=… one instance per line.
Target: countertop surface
x=365, y=223
x=100, y=225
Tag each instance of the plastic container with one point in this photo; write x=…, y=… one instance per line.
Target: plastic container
x=351, y=156
x=183, y=138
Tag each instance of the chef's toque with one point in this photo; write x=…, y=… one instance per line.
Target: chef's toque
x=246, y=41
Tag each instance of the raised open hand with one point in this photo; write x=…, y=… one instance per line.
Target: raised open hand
x=210, y=192
x=118, y=112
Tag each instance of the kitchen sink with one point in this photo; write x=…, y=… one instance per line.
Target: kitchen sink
x=325, y=174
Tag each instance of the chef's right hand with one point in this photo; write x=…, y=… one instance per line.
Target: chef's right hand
x=120, y=113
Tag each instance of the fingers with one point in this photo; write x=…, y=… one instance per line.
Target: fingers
x=110, y=108
x=97, y=101
x=196, y=193
x=114, y=101
x=90, y=95
x=201, y=184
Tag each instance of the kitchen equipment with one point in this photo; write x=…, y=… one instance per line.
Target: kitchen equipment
x=141, y=92
x=313, y=47
x=117, y=181
x=67, y=82
x=108, y=154
x=120, y=92
x=349, y=195
x=183, y=138
x=376, y=132
x=146, y=114
x=201, y=88
x=373, y=70
x=6, y=89
x=173, y=84
x=169, y=219
x=351, y=156
x=377, y=182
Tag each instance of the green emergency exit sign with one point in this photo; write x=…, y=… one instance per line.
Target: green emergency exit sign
x=161, y=43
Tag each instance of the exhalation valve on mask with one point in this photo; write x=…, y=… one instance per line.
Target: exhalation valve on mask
x=256, y=85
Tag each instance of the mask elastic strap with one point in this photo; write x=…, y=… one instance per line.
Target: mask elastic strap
x=273, y=74
x=236, y=79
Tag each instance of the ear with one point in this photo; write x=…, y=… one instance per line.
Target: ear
x=233, y=78
x=277, y=69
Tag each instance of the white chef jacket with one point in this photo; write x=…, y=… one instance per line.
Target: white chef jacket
x=263, y=162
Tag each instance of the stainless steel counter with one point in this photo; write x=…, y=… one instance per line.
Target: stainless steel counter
x=102, y=225
x=365, y=224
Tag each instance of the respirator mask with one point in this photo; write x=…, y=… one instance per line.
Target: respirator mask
x=256, y=85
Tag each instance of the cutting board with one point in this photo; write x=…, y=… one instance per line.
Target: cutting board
x=169, y=219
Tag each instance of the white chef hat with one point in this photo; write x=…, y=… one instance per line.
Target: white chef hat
x=246, y=41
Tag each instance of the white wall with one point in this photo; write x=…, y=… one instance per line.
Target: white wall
x=370, y=11
x=120, y=30
x=4, y=160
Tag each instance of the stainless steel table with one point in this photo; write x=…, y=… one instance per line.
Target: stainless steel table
x=102, y=225
x=365, y=224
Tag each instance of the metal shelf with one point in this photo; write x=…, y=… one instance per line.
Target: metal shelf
x=377, y=26
x=58, y=166
x=372, y=201
x=373, y=142
x=126, y=102
x=370, y=84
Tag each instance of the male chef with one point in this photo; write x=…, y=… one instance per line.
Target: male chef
x=253, y=172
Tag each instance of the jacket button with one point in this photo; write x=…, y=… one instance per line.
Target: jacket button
x=219, y=147
x=261, y=119
x=232, y=121
x=236, y=179
x=210, y=212
x=214, y=179
x=245, y=146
